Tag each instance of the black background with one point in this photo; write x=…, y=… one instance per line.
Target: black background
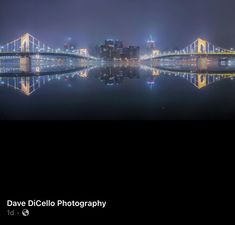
x=166, y=171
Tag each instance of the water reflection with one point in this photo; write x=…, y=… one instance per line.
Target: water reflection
x=199, y=80
x=110, y=75
x=28, y=85
x=115, y=75
x=202, y=80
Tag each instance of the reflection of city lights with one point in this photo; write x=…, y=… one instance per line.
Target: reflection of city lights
x=151, y=82
x=156, y=73
x=83, y=74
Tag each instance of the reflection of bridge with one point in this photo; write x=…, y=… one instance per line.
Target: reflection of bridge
x=199, y=80
x=27, y=46
x=28, y=85
x=199, y=47
x=110, y=76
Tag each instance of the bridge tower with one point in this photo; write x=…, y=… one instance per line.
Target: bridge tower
x=25, y=64
x=25, y=61
x=201, y=46
x=202, y=63
x=25, y=42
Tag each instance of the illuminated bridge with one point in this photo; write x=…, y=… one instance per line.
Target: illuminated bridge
x=199, y=47
x=27, y=45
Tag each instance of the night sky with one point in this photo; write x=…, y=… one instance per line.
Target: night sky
x=173, y=23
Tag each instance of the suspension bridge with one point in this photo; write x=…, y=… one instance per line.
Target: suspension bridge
x=27, y=45
x=199, y=47
x=27, y=48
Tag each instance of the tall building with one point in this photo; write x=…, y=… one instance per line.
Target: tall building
x=94, y=50
x=114, y=50
x=134, y=52
x=109, y=43
x=125, y=53
x=118, y=44
x=150, y=45
x=107, y=50
x=118, y=49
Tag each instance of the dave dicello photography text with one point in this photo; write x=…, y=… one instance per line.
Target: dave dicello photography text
x=58, y=203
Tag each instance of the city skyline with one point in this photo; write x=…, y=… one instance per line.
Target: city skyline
x=28, y=45
x=90, y=22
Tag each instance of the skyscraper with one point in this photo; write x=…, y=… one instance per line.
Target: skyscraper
x=118, y=44
x=150, y=45
x=118, y=49
x=134, y=52
x=109, y=43
x=114, y=50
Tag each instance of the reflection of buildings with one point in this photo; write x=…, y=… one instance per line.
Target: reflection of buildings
x=116, y=75
x=151, y=80
x=28, y=85
x=110, y=75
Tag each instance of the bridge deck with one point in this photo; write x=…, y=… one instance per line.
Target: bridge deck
x=59, y=54
x=225, y=54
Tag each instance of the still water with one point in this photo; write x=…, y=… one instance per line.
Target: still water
x=135, y=92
